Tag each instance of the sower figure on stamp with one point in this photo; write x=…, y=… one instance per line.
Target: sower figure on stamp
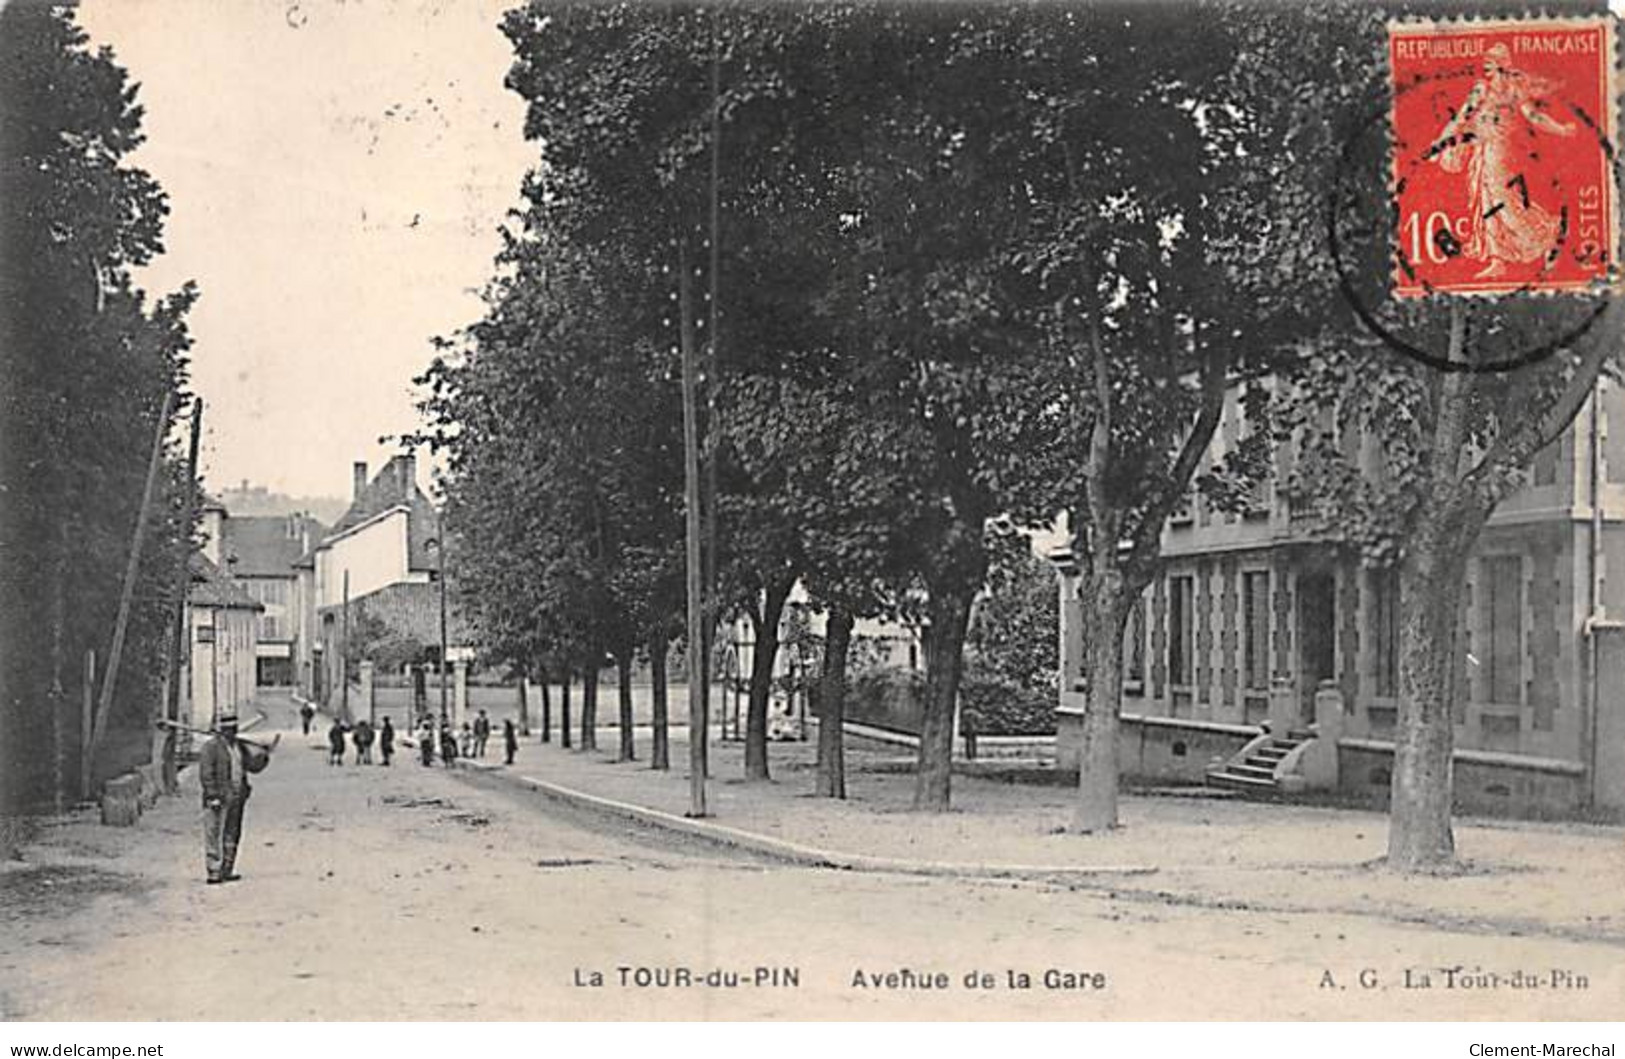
x=1490, y=137
x=223, y=769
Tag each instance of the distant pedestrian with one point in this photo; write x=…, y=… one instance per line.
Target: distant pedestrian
x=482, y=733
x=448, y=745
x=307, y=715
x=335, y=743
x=465, y=740
x=363, y=742
x=426, y=742
x=510, y=739
x=386, y=741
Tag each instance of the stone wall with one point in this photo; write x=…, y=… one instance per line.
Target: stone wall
x=1158, y=749
x=1486, y=783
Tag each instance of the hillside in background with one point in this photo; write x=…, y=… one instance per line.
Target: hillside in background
x=246, y=499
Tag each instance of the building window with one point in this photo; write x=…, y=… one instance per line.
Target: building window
x=1134, y=645
x=1501, y=611
x=1255, y=630
x=1181, y=630
x=1384, y=619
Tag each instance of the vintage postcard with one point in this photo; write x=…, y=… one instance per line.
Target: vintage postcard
x=535, y=510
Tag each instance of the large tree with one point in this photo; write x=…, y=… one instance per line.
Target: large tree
x=89, y=361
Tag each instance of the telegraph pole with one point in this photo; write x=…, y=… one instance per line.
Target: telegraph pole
x=131, y=568
x=713, y=429
x=183, y=585
x=697, y=719
x=344, y=653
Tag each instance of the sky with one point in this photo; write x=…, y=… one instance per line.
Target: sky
x=337, y=171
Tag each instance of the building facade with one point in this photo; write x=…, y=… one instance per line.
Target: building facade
x=1256, y=608
x=222, y=623
x=261, y=551
x=381, y=561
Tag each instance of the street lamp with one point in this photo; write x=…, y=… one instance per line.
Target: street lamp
x=440, y=575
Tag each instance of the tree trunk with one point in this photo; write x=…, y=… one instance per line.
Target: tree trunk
x=524, y=702
x=660, y=755
x=564, y=711
x=763, y=656
x=1105, y=612
x=831, y=779
x=547, y=705
x=949, y=614
x=1432, y=580
x=623, y=675
x=589, y=708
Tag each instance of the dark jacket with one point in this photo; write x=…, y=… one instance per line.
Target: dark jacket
x=335, y=737
x=214, y=769
x=386, y=737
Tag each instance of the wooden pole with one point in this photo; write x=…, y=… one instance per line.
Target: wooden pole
x=713, y=430
x=344, y=653
x=691, y=520
x=131, y=568
x=87, y=722
x=183, y=585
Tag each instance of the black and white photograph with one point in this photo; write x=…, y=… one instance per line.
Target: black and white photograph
x=839, y=511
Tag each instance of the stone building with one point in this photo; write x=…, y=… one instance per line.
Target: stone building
x=1257, y=617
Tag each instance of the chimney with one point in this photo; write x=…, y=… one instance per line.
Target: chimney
x=409, y=475
x=360, y=479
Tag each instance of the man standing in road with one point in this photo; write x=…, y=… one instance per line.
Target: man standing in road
x=386, y=740
x=482, y=733
x=510, y=739
x=223, y=769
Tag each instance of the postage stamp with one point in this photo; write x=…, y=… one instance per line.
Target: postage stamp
x=1503, y=136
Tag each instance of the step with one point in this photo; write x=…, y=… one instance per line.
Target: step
x=1231, y=779
x=1249, y=769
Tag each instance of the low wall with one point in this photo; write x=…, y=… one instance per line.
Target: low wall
x=1487, y=783
x=1157, y=749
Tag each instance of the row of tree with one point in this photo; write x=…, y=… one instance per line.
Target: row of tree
x=90, y=365
x=958, y=270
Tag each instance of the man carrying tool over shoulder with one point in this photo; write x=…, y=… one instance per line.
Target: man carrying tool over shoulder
x=223, y=768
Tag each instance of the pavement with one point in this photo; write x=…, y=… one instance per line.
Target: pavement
x=412, y=893
x=1192, y=844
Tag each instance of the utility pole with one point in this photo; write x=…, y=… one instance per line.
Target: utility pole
x=131, y=568
x=440, y=575
x=344, y=653
x=87, y=724
x=713, y=430
x=183, y=585
x=691, y=523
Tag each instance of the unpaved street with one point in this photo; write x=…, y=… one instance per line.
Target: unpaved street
x=412, y=893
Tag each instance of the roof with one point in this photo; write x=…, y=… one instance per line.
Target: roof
x=395, y=485
x=269, y=545
x=212, y=588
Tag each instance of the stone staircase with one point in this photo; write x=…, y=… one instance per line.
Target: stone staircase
x=1263, y=766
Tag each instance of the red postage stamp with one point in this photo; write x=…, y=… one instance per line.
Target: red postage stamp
x=1503, y=155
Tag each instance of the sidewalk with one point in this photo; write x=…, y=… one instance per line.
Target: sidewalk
x=1557, y=880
